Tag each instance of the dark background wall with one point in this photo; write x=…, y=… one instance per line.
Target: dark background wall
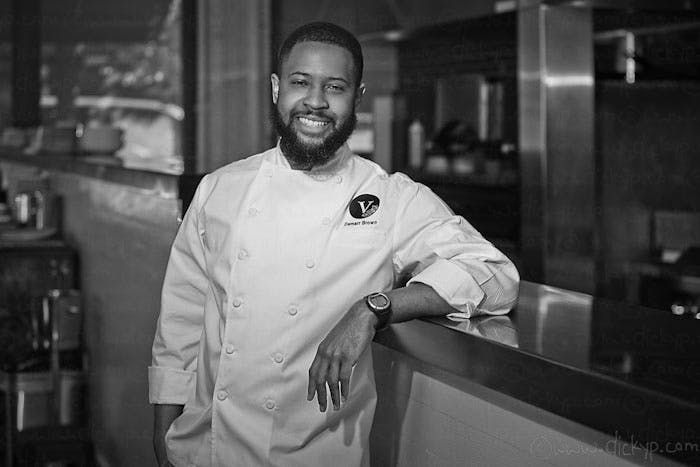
x=485, y=46
x=647, y=143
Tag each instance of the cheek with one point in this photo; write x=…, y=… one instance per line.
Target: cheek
x=342, y=108
x=287, y=102
x=283, y=108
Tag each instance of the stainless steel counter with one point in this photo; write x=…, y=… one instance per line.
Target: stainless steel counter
x=622, y=369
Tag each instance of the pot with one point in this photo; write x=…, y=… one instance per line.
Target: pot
x=100, y=140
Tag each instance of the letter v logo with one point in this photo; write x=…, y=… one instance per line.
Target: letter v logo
x=363, y=206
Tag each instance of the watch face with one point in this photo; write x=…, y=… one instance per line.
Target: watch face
x=380, y=301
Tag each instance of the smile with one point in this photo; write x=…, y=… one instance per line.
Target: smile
x=312, y=123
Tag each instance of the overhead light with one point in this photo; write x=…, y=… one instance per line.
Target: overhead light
x=394, y=35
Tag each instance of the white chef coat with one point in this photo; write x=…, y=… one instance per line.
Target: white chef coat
x=265, y=263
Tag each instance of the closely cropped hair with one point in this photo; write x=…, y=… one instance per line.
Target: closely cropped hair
x=327, y=33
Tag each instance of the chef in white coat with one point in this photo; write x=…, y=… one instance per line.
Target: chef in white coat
x=285, y=266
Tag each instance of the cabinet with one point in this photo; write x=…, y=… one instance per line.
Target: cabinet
x=42, y=379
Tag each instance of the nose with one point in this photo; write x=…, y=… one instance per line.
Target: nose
x=315, y=98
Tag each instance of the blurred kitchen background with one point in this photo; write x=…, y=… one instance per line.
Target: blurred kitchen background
x=565, y=131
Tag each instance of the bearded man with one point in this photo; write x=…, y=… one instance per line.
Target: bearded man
x=286, y=265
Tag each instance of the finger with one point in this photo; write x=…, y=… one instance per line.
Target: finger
x=321, y=385
x=322, y=397
x=344, y=376
x=332, y=379
x=313, y=371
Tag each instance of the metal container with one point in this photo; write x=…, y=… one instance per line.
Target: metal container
x=25, y=209
x=58, y=318
x=100, y=140
x=34, y=403
x=36, y=210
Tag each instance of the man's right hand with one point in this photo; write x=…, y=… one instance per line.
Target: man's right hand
x=163, y=417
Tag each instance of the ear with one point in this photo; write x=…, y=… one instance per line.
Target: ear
x=360, y=93
x=275, y=82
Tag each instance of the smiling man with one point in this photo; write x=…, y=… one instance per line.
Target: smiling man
x=286, y=265
x=316, y=98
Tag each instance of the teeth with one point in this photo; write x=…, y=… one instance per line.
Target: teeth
x=309, y=122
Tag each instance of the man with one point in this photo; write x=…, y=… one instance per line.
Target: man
x=283, y=269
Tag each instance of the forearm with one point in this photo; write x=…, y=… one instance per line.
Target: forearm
x=341, y=348
x=416, y=300
x=163, y=416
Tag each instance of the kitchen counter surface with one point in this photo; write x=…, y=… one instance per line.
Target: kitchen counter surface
x=622, y=369
x=101, y=167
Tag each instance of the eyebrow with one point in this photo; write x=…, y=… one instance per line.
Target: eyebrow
x=330, y=78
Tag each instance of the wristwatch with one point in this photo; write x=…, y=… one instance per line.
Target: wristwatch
x=379, y=304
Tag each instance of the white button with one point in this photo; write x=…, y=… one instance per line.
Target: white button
x=243, y=254
x=338, y=179
x=252, y=212
x=326, y=220
x=237, y=302
x=221, y=395
x=230, y=349
x=278, y=357
x=293, y=310
x=270, y=404
x=310, y=263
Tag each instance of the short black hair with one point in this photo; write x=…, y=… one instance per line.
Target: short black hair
x=327, y=33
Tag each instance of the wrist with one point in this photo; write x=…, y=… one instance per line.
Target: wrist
x=363, y=312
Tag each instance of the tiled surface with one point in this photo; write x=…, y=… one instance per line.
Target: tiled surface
x=447, y=421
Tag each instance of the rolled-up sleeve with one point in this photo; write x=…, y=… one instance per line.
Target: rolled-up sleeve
x=171, y=376
x=437, y=248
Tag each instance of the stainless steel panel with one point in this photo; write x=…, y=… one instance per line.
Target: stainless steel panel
x=234, y=63
x=533, y=155
x=556, y=86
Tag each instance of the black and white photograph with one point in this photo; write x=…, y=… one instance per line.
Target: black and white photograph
x=349, y=233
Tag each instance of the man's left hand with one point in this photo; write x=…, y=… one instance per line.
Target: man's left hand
x=338, y=353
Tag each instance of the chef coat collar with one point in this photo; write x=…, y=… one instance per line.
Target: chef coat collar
x=333, y=167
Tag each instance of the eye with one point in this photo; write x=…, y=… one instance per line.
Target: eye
x=299, y=82
x=336, y=88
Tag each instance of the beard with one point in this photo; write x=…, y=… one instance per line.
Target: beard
x=304, y=155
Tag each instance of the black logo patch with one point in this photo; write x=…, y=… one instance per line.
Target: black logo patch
x=363, y=206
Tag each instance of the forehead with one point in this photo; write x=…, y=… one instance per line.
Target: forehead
x=319, y=59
